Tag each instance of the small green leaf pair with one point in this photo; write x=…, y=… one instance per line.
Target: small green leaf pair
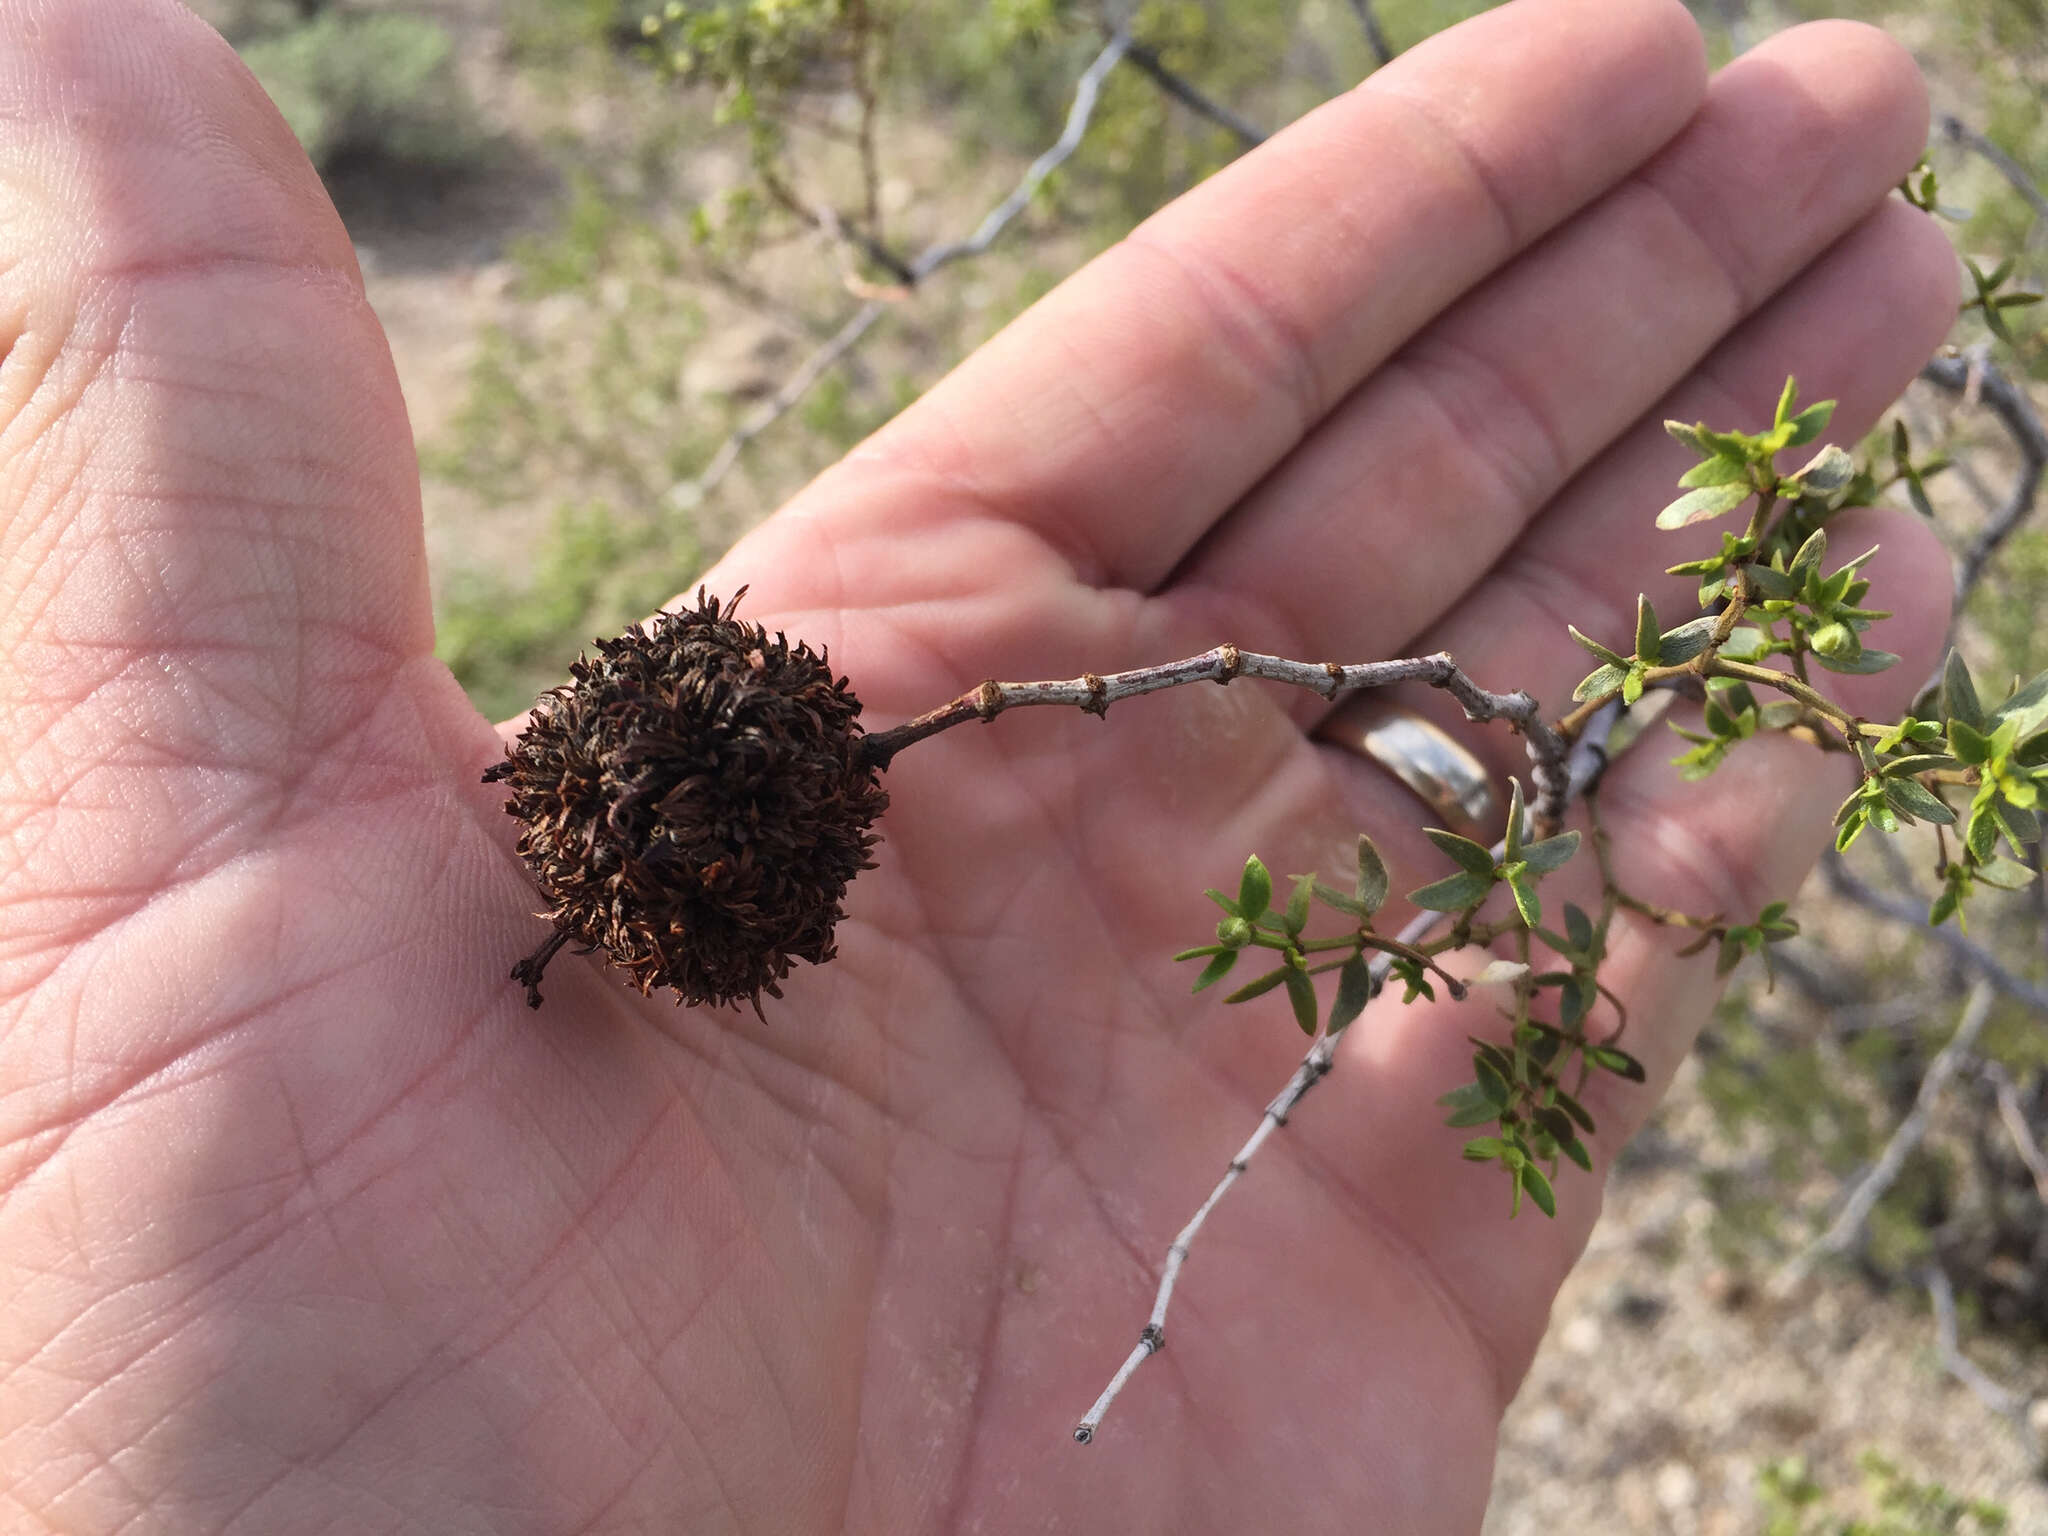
x=1250, y=922
x=1519, y=867
x=1627, y=675
x=1734, y=466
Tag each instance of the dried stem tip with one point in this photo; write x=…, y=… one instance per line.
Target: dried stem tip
x=694, y=803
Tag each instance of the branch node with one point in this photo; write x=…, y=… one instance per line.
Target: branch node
x=1097, y=702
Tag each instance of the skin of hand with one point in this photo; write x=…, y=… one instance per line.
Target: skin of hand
x=307, y=1223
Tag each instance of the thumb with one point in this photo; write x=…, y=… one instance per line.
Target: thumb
x=211, y=565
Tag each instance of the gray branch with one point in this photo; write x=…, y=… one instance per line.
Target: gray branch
x=1584, y=764
x=2001, y=1400
x=1972, y=955
x=1956, y=131
x=1087, y=91
x=2009, y=403
x=1145, y=60
x=1375, y=34
x=1549, y=768
x=1846, y=1230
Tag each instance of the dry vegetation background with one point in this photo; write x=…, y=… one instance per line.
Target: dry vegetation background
x=589, y=282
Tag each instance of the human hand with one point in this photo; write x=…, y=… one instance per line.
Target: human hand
x=306, y=1221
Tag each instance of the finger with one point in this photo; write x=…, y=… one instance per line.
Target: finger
x=1415, y=486
x=212, y=565
x=1119, y=417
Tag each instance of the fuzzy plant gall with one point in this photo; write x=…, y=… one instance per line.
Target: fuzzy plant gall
x=694, y=802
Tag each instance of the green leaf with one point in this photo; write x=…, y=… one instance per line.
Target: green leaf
x=1485, y=1149
x=1491, y=1083
x=1709, y=501
x=1647, y=633
x=1575, y=1000
x=1981, y=835
x=1575, y=1109
x=1551, y=853
x=1861, y=664
x=1745, y=642
x=1538, y=1186
x=1518, y=816
x=1342, y=901
x=1686, y=641
x=1354, y=991
x=1254, y=890
x=1222, y=901
x=1201, y=952
x=1454, y=894
x=1787, y=398
x=1469, y=1106
x=1632, y=685
x=2028, y=705
x=1827, y=476
x=1807, y=561
x=1579, y=929
x=1295, y=918
x=1959, y=694
x=1465, y=853
x=1912, y=799
x=1216, y=969
x=1609, y=1059
x=1575, y=1149
x=1262, y=985
x=1372, y=875
x=2006, y=874
x=1810, y=423
x=1919, y=762
x=1969, y=744
x=1600, y=683
x=1612, y=658
x=1301, y=992
x=1526, y=902
x=1718, y=470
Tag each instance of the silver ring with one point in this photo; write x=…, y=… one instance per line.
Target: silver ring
x=1442, y=773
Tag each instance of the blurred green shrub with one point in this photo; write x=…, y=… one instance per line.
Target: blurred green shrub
x=1894, y=1504
x=382, y=85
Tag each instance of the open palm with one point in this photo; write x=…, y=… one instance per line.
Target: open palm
x=306, y=1222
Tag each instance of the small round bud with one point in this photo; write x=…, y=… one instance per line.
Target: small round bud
x=1233, y=933
x=694, y=803
x=1835, y=640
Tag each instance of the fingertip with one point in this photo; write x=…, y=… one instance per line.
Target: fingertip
x=133, y=140
x=1862, y=93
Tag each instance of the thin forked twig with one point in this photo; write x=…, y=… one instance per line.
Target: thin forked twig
x=1087, y=91
x=1847, y=1228
x=2013, y=1115
x=2016, y=413
x=1375, y=34
x=1583, y=765
x=2002, y=1400
x=1956, y=131
x=1843, y=882
x=1147, y=61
